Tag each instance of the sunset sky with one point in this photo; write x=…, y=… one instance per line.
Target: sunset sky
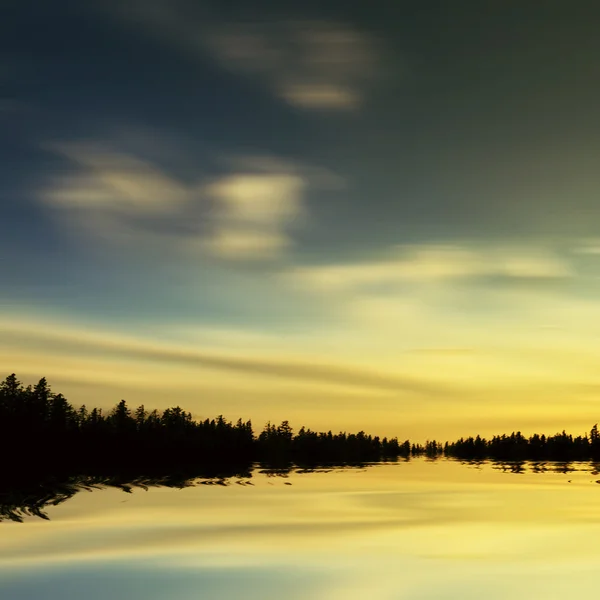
x=376, y=215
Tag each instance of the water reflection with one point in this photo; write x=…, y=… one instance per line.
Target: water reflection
x=408, y=530
x=21, y=498
x=24, y=498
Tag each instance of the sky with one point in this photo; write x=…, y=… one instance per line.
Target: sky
x=380, y=216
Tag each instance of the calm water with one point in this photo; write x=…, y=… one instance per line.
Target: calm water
x=409, y=530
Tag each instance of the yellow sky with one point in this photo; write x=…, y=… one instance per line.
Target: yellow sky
x=433, y=360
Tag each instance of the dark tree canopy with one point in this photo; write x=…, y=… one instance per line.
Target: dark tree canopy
x=54, y=436
x=44, y=434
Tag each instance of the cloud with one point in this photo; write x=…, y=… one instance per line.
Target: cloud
x=433, y=263
x=253, y=213
x=310, y=64
x=115, y=182
x=259, y=198
x=246, y=213
x=588, y=247
x=240, y=244
x=322, y=96
x=118, y=347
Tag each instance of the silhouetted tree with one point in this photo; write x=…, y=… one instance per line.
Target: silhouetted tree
x=41, y=431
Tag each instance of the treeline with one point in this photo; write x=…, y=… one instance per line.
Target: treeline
x=42, y=432
x=560, y=447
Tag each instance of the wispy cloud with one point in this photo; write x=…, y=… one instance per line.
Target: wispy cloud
x=245, y=213
x=112, y=181
x=434, y=263
x=65, y=340
x=590, y=246
x=310, y=64
x=253, y=212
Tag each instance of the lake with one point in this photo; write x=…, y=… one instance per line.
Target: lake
x=418, y=529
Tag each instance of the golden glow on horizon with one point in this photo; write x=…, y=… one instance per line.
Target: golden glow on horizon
x=390, y=365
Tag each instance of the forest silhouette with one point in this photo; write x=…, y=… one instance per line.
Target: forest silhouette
x=44, y=433
x=53, y=449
